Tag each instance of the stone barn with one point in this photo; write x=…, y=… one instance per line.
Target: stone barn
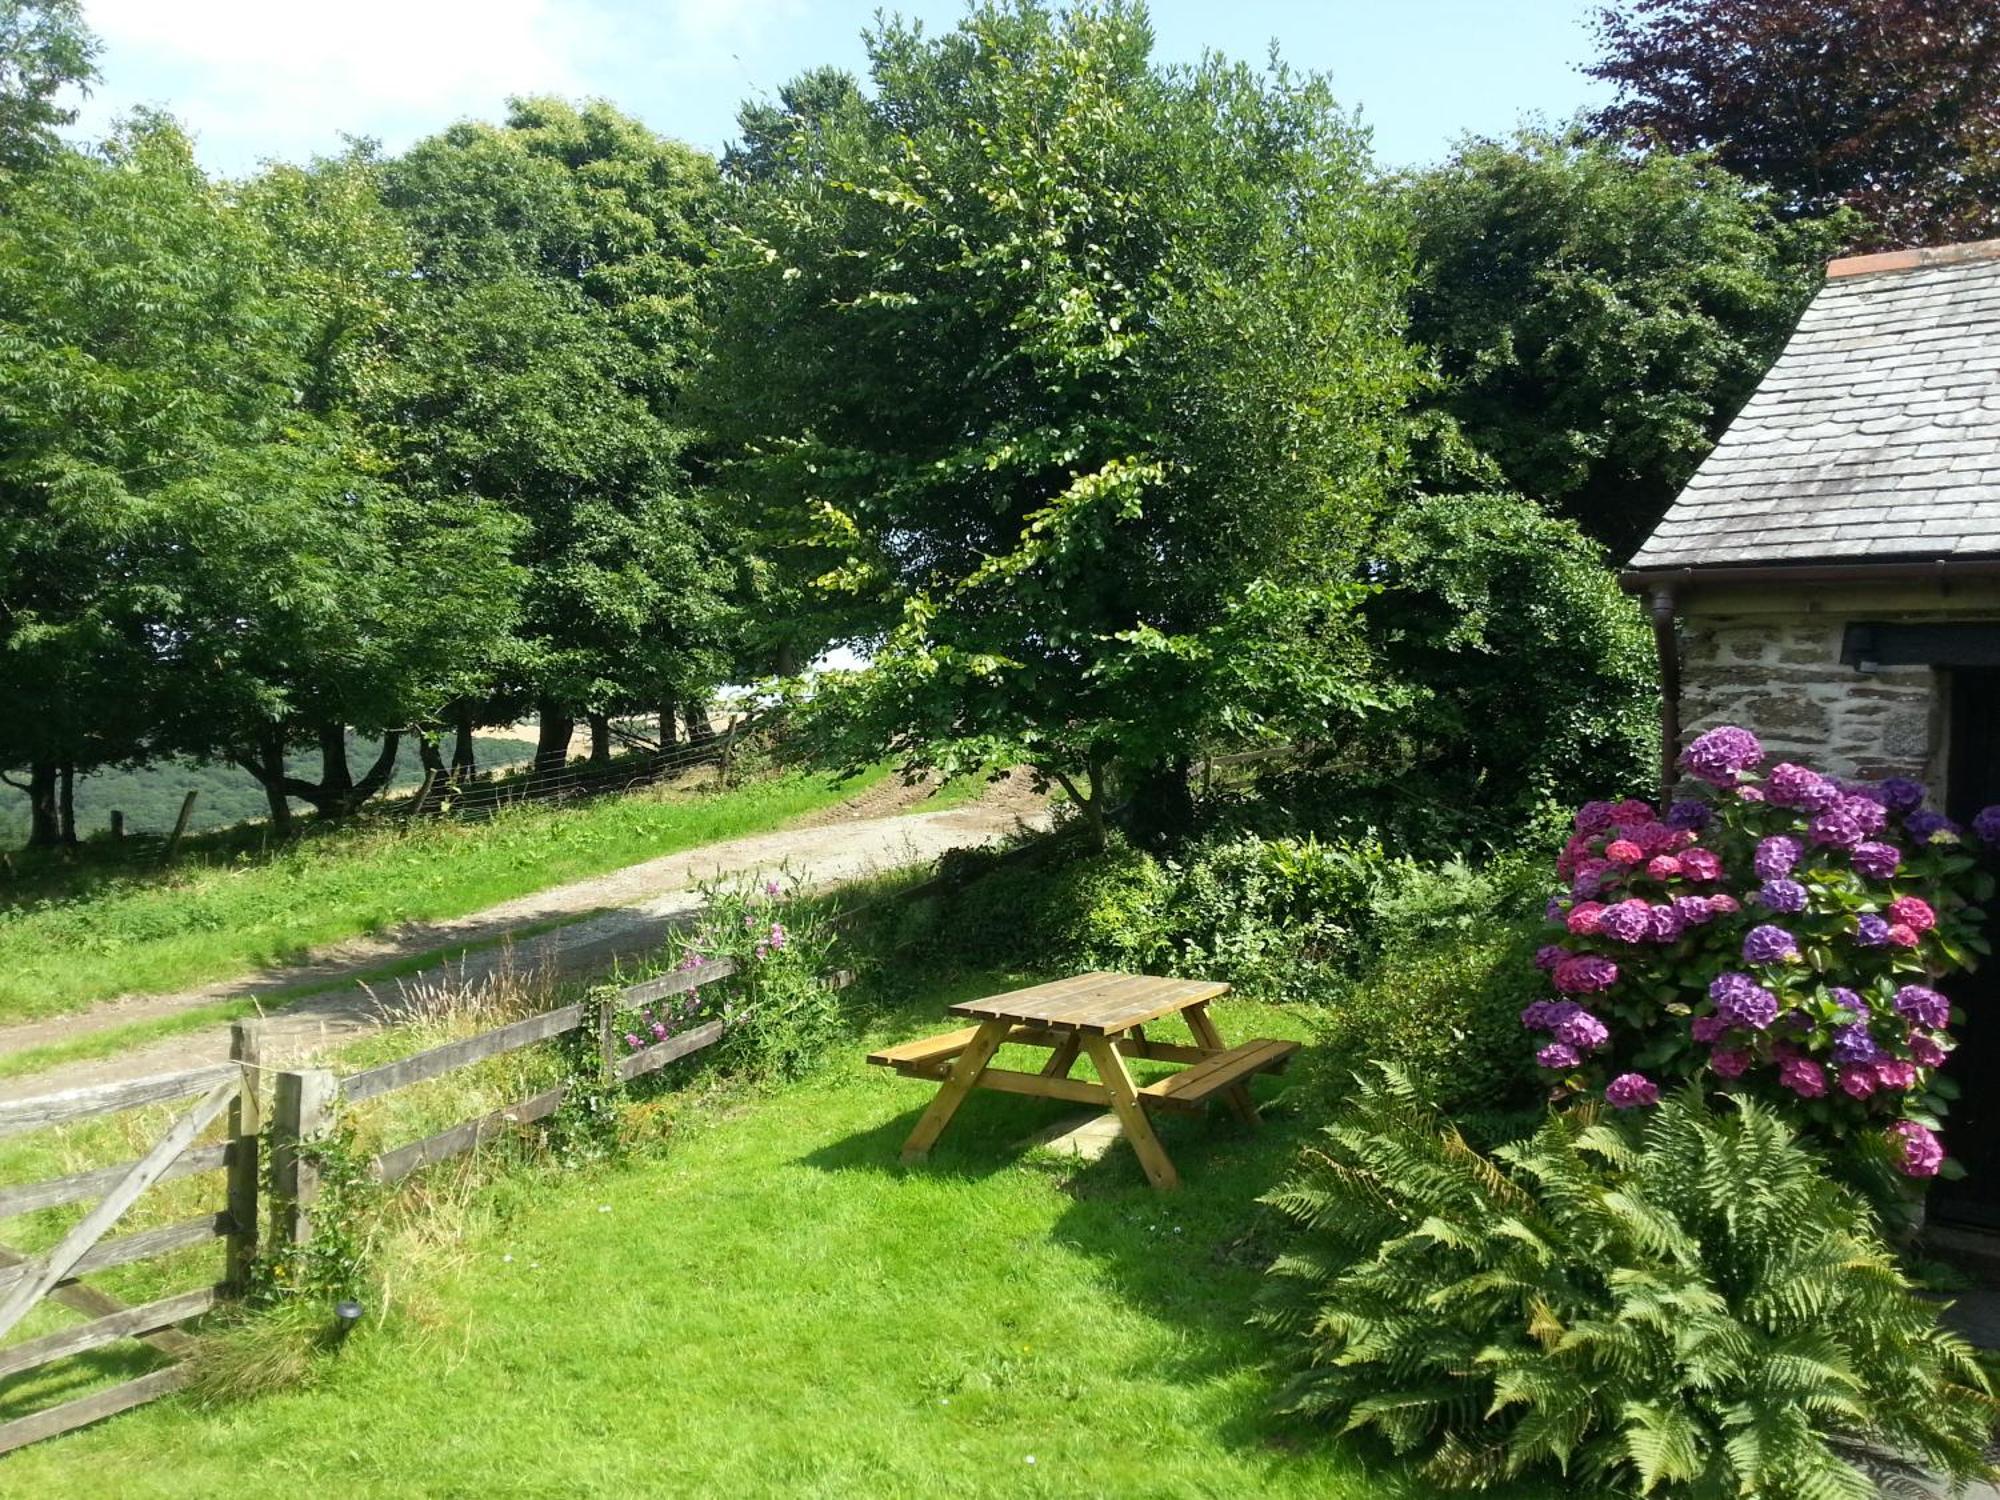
x=1830, y=577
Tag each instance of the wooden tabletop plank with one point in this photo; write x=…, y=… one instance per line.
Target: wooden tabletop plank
x=1099, y=1003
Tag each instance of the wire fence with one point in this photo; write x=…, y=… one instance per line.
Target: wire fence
x=485, y=794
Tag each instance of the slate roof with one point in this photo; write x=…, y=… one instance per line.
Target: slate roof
x=1876, y=435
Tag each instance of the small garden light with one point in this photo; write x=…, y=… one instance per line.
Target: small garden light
x=347, y=1313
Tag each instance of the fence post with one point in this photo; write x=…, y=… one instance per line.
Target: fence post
x=117, y=824
x=180, y=825
x=301, y=1110
x=728, y=751
x=246, y=1122
x=607, y=1057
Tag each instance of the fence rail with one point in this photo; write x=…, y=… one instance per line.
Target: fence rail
x=302, y=1107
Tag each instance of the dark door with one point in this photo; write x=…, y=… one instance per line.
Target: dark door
x=1972, y=1131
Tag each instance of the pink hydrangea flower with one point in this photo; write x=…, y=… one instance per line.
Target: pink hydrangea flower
x=1903, y=935
x=1912, y=912
x=1926, y=1051
x=1896, y=1075
x=1803, y=1077
x=1729, y=1062
x=1700, y=864
x=1858, y=1080
x=1631, y=1091
x=1584, y=917
x=1663, y=867
x=1918, y=1150
x=1623, y=852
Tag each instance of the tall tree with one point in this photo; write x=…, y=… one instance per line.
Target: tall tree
x=1891, y=107
x=555, y=323
x=44, y=49
x=1597, y=318
x=1075, y=382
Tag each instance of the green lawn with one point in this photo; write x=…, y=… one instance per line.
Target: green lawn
x=228, y=910
x=768, y=1304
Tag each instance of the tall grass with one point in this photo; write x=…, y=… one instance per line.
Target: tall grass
x=221, y=914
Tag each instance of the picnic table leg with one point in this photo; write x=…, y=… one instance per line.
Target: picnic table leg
x=1117, y=1081
x=964, y=1074
x=1063, y=1058
x=1207, y=1036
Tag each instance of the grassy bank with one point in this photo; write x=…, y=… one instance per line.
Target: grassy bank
x=763, y=1302
x=227, y=910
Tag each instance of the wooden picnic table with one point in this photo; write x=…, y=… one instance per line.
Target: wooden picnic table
x=1102, y=1016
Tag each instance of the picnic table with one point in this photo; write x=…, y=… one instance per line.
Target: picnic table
x=1102, y=1016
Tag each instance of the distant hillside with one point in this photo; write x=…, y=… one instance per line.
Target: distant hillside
x=150, y=797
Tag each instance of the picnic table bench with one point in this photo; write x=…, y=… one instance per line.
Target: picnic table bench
x=1102, y=1016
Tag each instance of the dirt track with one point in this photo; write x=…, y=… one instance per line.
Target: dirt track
x=567, y=930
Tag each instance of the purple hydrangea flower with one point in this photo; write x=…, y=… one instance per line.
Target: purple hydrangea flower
x=1595, y=817
x=1835, y=827
x=1869, y=815
x=1707, y=1028
x=1690, y=817
x=1742, y=1001
x=1628, y=922
x=1791, y=785
x=1921, y=1153
x=1631, y=1091
x=1558, y=1056
x=1555, y=910
x=1877, y=861
x=1847, y=1000
x=1782, y=895
x=1777, y=856
x=1717, y=756
x=1925, y=825
x=1584, y=973
x=1543, y=1014
x=1923, y=1006
x=1694, y=910
x=1870, y=931
x=1581, y=1030
x=1901, y=795
x=1986, y=824
x=1769, y=945
x=1854, y=1044
x=1549, y=955
x=1668, y=923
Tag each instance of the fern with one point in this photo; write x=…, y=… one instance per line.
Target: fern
x=1680, y=1308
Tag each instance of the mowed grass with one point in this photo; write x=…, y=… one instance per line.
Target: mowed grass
x=228, y=911
x=767, y=1303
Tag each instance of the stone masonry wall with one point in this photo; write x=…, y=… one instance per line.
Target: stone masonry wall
x=1781, y=677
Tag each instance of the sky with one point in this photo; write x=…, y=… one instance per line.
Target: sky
x=285, y=79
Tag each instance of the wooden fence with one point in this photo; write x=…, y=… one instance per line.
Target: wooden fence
x=304, y=1103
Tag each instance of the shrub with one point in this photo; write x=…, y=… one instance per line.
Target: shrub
x=1677, y=1304
x=779, y=1015
x=1780, y=936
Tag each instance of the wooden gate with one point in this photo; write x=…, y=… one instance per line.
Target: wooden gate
x=56, y=1274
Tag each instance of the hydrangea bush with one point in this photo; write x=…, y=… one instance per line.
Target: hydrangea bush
x=1783, y=934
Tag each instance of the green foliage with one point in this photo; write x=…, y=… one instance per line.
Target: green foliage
x=1520, y=679
x=1597, y=317
x=333, y=1263
x=1441, y=992
x=44, y=49
x=1685, y=1306
x=787, y=1016
x=1074, y=380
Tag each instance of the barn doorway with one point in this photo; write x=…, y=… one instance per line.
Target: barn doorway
x=1972, y=1132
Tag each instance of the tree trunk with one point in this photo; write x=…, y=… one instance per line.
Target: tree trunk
x=463, y=761
x=552, y=732
x=1162, y=807
x=66, y=805
x=44, y=817
x=335, y=779
x=699, y=729
x=670, y=729
x=600, y=739
x=273, y=778
x=428, y=754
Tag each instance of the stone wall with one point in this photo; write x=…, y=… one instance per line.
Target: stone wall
x=1771, y=662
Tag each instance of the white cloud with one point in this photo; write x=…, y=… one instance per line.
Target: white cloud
x=283, y=78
